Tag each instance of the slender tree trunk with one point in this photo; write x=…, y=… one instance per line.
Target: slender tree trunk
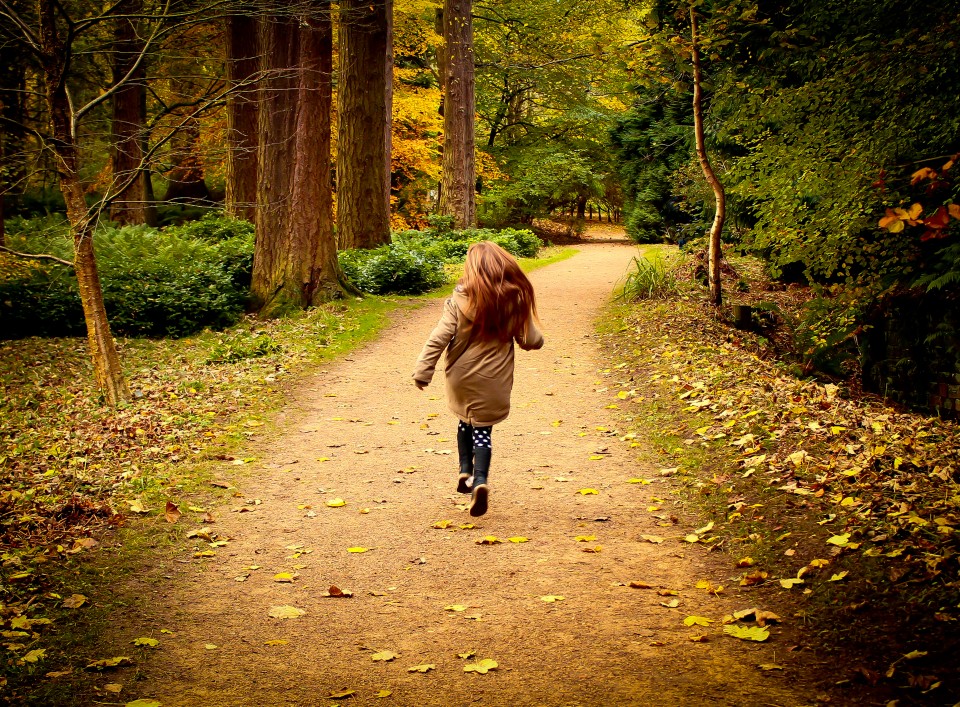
x=713, y=248
x=129, y=117
x=186, y=183
x=458, y=193
x=581, y=207
x=388, y=125
x=103, y=350
x=363, y=206
x=242, y=65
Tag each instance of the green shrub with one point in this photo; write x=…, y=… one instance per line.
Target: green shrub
x=214, y=227
x=398, y=268
x=242, y=345
x=155, y=283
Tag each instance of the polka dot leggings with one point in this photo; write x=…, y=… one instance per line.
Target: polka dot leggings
x=481, y=435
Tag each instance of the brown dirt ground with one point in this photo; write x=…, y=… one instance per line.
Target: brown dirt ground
x=603, y=644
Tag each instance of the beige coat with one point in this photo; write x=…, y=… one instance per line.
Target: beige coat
x=479, y=373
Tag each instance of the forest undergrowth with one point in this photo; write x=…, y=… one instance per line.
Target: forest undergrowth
x=846, y=504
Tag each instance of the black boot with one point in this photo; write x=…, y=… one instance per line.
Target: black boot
x=481, y=467
x=465, y=448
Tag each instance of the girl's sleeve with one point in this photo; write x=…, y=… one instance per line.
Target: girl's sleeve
x=532, y=338
x=440, y=338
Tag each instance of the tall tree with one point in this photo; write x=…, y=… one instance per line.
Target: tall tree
x=713, y=244
x=242, y=64
x=295, y=261
x=458, y=188
x=129, y=117
x=363, y=206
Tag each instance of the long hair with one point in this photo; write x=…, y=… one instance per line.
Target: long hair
x=501, y=294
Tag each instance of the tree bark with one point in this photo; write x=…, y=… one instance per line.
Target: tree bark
x=713, y=247
x=363, y=206
x=295, y=255
x=458, y=190
x=129, y=116
x=388, y=125
x=103, y=350
x=242, y=65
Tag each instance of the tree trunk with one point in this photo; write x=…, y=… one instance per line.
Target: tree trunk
x=271, y=289
x=458, y=192
x=314, y=259
x=103, y=350
x=581, y=207
x=186, y=182
x=129, y=117
x=713, y=248
x=363, y=207
x=388, y=125
x=242, y=65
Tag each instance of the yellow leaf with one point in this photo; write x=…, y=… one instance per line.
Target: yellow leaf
x=639, y=481
x=426, y=667
x=585, y=538
x=789, y=583
x=692, y=538
x=74, y=601
x=383, y=693
x=384, y=656
x=481, y=667
x=489, y=540
x=341, y=694
x=336, y=503
x=588, y=492
x=839, y=540
x=358, y=549
x=467, y=526
x=518, y=539
x=697, y=621
x=441, y=524
x=557, y=423
x=550, y=598
x=210, y=646
x=596, y=457
x=597, y=548
x=747, y=633
x=622, y=395
x=34, y=656
x=109, y=663
x=455, y=607
x=286, y=612
x=655, y=539
x=746, y=562
x=839, y=576
x=284, y=577
x=146, y=642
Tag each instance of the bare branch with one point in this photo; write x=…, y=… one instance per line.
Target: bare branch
x=37, y=256
x=122, y=81
x=29, y=38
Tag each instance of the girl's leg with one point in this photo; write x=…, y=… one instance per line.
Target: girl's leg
x=465, y=448
x=482, y=450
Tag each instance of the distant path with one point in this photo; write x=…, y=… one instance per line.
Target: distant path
x=604, y=644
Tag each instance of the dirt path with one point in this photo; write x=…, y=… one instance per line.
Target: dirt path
x=603, y=644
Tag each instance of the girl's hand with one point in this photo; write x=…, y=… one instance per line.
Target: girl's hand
x=420, y=386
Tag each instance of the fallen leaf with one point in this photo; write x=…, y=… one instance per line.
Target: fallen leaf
x=384, y=656
x=518, y=539
x=104, y=663
x=442, y=524
x=426, y=667
x=358, y=549
x=697, y=621
x=341, y=694
x=74, y=601
x=34, y=656
x=335, y=592
x=550, y=598
x=839, y=576
x=839, y=540
x=137, y=507
x=700, y=639
x=747, y=633
x=489, y=540
x=481, y=667
x=588, y=492
x=770, y=666
x=585, y=538
x=672, y=604
x=383, y=693
x=286, y=612
x=468, y=654
x=172, y=513
x=641, y=585
x=143, y=702
x=210, y=646
x=745, y=562
x=113, y=687
x=336, y=503
x=655, y=539
x=789, y=583
x=146, y=642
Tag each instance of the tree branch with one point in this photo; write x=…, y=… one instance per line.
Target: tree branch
x=30, y=39
x=37, y=256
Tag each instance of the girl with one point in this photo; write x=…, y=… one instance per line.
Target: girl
x=492, y=306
